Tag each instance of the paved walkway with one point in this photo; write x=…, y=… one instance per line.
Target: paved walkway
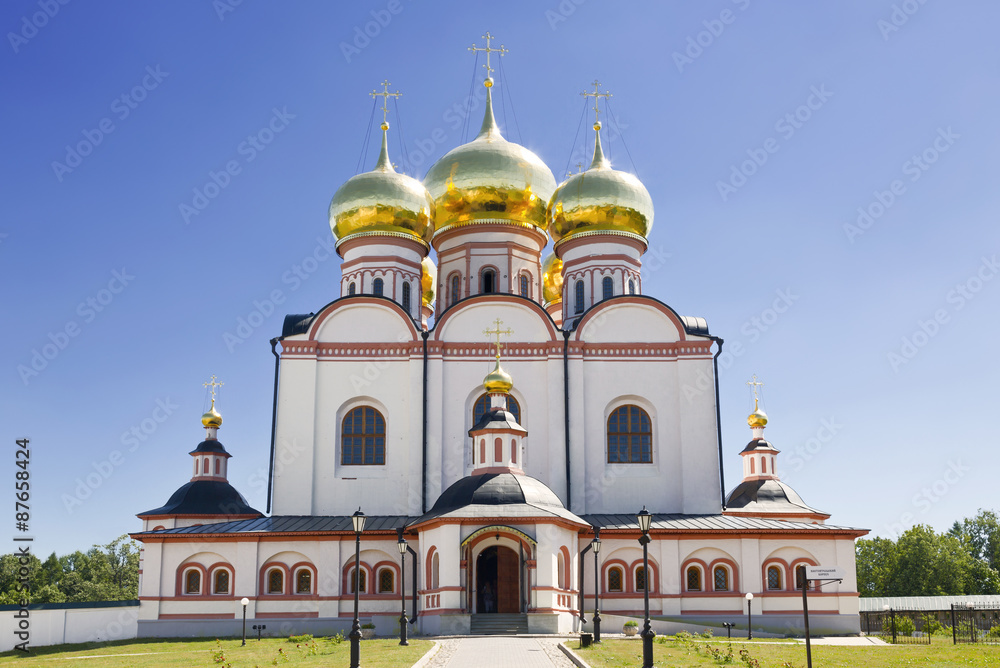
x=499, y=652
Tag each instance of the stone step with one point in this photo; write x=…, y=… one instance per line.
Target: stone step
x=498, y=624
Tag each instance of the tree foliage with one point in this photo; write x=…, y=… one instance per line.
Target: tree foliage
x=103, y=573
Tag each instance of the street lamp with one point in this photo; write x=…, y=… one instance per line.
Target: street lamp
x=358, y=519
x=244, y=602
x=401, y=545
x=645, y=519
x=749, y=598
x=596, y=544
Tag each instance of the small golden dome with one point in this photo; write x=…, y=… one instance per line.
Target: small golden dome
x=498, y=380
x=600, y=200
x=211, y=418
x=428, y=280
x=382, y=202
x=757, y=419
x=489, y=178
x=552, y=279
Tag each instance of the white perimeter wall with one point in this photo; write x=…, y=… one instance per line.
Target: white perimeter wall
x=75, y=625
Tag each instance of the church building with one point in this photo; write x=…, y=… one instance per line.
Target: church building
x=490, y=407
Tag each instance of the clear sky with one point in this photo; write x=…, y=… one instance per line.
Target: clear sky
x=824, y=177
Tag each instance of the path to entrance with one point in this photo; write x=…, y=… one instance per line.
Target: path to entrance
x=499, y=652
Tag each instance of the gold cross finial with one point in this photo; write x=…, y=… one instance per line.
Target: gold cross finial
x=498, y=332
x=385, y=94
x=488, y=50
x=213, y=384
x=754, y=384
x=597, y=95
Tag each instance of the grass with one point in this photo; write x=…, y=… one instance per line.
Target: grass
x=694, y=652
x=154, y=653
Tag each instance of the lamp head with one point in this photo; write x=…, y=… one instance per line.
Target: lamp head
x=749, y=596
x=244, y=601
x=886, y=607
x=645, y=519
x=358, y=519
x=597, y=545
x=401, y=545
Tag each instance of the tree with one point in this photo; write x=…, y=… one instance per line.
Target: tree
x=876, y=561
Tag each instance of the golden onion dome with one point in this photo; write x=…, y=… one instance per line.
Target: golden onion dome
x=600, y=200
x=498, y=380
x=757, y=419
x=552, y=279
x=211, y=419
x=383, y=203
x=489, y=180
x=428, y=280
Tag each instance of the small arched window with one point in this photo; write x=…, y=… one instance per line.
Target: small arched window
x=763, y=464
x=352, y=288
x=386, y=581
x=800, y=574
x=615, y=579
x=498, y=450
x=275, y=581
x=483, y=404
x=489, y=282
x=363, y=588
x=303, y=581
x=192, y=581
x=435, y=571
x=578, y=305
x=607, y=288
x=363, y=437
x=693, y=578
x=720, y=578
x=455, y=292
x=406, y=296
x=524, y=285
x=773, y=577
x=221, y=582
x=560, y=570
x=640, y=579
x=631, y=286
x=377, y=287
x=630, y=436
x=752, y=466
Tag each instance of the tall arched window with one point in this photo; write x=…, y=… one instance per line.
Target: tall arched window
x=435, y=571
x=763, y=464
x=560, y=570
x=352, y=288
x=483, y=404
x=631, y=286
x=275, y=581
x=630, y=436
x=524, y=285
x=363, y=437
x=362, y=587
x=640, y=579
x=406, y=296
x=303, y=581
x=377, y=287
x=192, y=582
x=616, y=579
x=386, y=581
x=578, y=305
x=220, y=582
x=489, y=281
x=751, y=466
x=607, y=288
x=720, y=578
x=456, y=289
x=774, y=577
x=693, y=578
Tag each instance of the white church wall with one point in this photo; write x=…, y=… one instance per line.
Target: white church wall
x=697, y=433
x=294, y=445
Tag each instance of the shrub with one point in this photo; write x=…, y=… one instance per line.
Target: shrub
x=931, y=625
x=904, y=625
x=304, y=638
x=369, y=625
x=631, y=622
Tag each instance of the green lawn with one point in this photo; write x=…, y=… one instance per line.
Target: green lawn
x=621, y=653
x=377, y=653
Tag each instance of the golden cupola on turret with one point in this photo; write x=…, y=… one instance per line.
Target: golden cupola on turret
x=552, y=279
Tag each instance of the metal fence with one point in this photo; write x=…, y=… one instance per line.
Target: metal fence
x=972, y=623
x=900, y=627
x=964, y=622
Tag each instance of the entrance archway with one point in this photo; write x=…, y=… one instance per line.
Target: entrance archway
x=498, y=582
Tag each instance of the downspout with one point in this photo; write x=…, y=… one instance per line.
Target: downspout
x=413, y=615
x=423, y=447
x=718, y=420
x=583, y=563
x=566, y=333
x=274, y=422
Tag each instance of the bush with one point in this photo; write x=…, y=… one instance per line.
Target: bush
x=904, y=625
x=631, y=622
x=304, y=638
x=931, y=625
x=369, y=625
x=993, y=632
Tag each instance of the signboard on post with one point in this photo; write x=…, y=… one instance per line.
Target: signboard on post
x=824, y=573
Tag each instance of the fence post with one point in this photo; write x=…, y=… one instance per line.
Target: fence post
x=954, y=628
x=972, y=625
x=892, y=616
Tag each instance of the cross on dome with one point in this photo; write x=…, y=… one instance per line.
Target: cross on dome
x=213, y=384
x=385, y=94
x=753, y=383
x=488, y=50
x=498, y=333
x=597, y=95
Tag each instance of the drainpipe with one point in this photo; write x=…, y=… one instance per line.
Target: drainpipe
x=718, y=420
x=413, y=615
x=423, y=448
x=583, y=563
x=274, y=421
x=566, y=333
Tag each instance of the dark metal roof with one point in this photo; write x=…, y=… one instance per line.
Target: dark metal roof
x=677, y=522
x=694, y=325
x=497, y=418
x=759, y=444
x=296, y=324
x=205, y=497
x=209, y=445
x=768, y=496
x=291, y=524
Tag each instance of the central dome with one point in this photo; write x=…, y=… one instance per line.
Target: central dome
x=489, y=180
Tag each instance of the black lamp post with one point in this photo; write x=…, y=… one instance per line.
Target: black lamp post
x=645, y=519
x=749, y=598
x=244, y=602
x=596, y=544
x=358, y=519
x=401, y=545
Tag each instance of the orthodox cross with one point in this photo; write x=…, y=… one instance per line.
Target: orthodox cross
x=385, y=94
x=213, y=384
x=498, y=332
x=488, y=50
x=597, y=95
x=754, y=384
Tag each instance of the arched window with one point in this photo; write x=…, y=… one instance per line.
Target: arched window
x=640, y=579
x=800, y=574
x=751, y=466
x=192, y=581
x=513, y=451
x=303, y=581
x=406, y=296
x=720, y=578
x=607, y=288
x=630, y=436
x=489, y=282
x=498, y=450
x=774, y=577
x=615, y=579
x=483, y=404
x=352, y=288
x=363, y=437
x=377, y=287
x=363, y=588
x=763, y=464
x=524, y=285
x=386, y=581
x=275, y=581
x=435, y=571
x=455, y=293
x=220, y=584
x=631, y=286
x=560, y=570
x=217, y=466
x=578, y=306
x=693, y=578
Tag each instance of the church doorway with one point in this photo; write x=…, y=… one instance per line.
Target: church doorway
x=497, y=581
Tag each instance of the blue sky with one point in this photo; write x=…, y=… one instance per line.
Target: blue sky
x=823, y=176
